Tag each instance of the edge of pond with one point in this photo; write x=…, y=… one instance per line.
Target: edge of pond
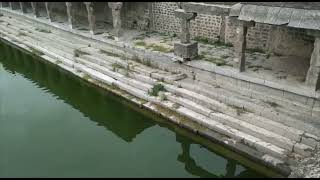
x=165, y=118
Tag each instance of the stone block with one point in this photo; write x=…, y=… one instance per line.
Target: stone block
x=186, y=51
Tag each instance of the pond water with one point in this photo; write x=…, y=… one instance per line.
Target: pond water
x=53, y=124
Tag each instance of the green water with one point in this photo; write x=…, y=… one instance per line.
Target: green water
x=55, y=125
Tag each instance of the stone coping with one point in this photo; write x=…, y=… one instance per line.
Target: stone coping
x=303, y=91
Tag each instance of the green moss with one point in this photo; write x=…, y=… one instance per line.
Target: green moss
x=254, y=50
x=86, y=77
x=159, y=48
x=36, y=52
x=154, y=47
x=211, y=42
x=140, y=43
x=156, y=89
x=217, y=61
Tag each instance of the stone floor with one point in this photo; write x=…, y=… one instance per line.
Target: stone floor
x=283, y=69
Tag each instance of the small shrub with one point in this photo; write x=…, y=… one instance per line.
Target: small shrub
x=156, y=89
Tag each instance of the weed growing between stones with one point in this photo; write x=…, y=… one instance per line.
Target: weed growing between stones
x=212, y=42
x=78, y=53
x=272, y=104
x=86, y=77
x=43, y=30
x=36, y=52
x=156, y=89
x=175, y=105
x=217, y=61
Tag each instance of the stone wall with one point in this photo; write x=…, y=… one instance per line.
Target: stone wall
x=206, y=26
x=291, y=41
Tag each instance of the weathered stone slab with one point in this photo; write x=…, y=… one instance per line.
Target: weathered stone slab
x=272, y=15
x=284, y=16
x=296, y=18
x=310, y=20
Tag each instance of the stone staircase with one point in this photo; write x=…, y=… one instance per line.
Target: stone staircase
x=272, y=134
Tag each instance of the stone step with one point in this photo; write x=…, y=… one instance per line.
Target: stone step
x=28, y=25
x=240, y=125
x=115, y=75
x=249, y=103
x=295, y=108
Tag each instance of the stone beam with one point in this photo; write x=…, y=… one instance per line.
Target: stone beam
x=23, y=7
x=313, y=75
x=116, y=16
x=35, y=9
x=91, y=17
x=209, y=9
x=71, y=16
x=49, y=10
x=241, y=43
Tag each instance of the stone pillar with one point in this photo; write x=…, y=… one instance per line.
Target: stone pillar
x=240, y=45
x=49, y=10
x=116, y=16
x=35, y=9
x=70, y=12
x=23, y=7
x=91, y=17
x=313, y=75
x=185, y=48
x=222, y=29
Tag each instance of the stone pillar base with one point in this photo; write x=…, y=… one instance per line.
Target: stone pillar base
x=313, y=78
x=186, y=51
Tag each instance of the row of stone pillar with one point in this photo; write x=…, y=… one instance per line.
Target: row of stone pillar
x=115, y=7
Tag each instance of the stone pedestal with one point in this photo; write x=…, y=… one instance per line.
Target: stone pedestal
x=187, y=51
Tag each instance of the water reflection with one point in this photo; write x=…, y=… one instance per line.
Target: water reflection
x=101, y=107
